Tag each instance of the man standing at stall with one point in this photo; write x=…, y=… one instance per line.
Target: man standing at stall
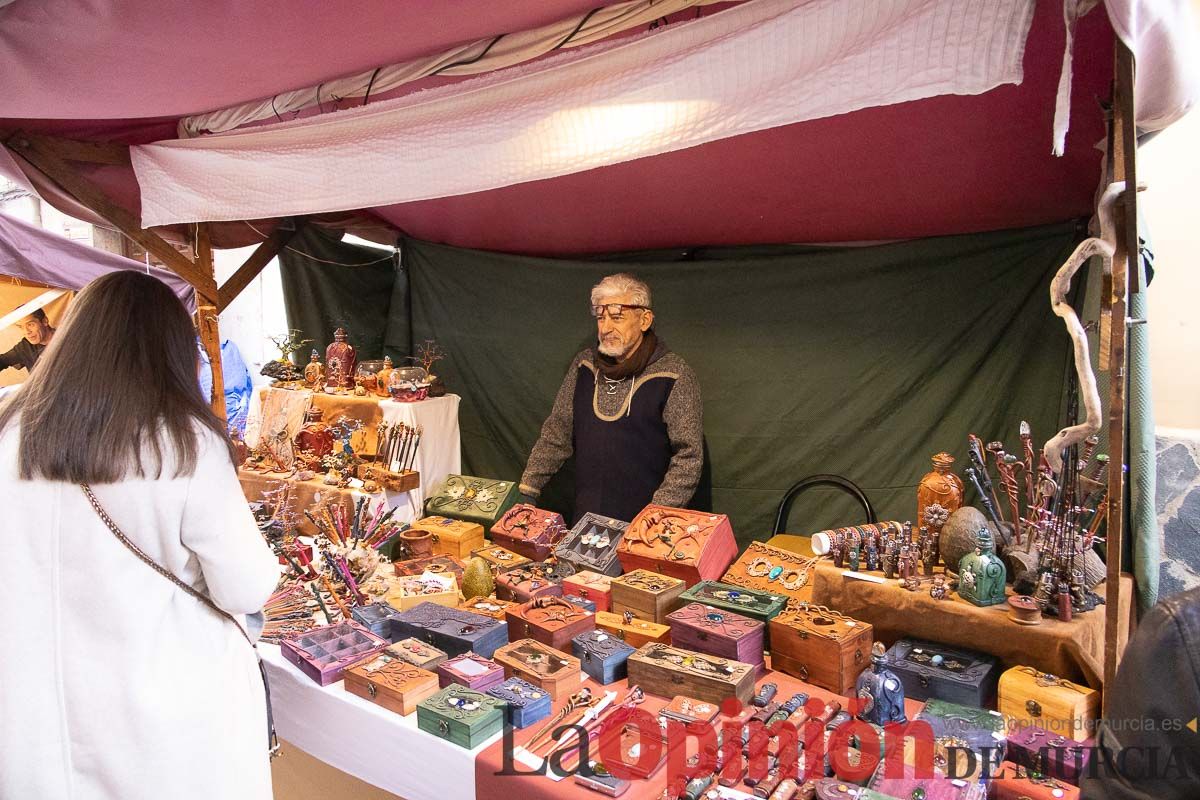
x=628, y=409
x=38, y=334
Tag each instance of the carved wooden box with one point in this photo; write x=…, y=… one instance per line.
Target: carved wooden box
x=590, y=586
x=772, y=569
x=692, y=545
x=820, y=646
x=438, y=565
x=718, y=632
x=649, y=595
x=930, y=670
x=552, y=670
x=688, y=709
x=550, y=620
x=928, y=787
x=667, y=671
x=488, y=606
x=535, y=579
x=956, y=729
x=470, y=670
x=1027, y=697
x=324, y=653
x=408, y=591
x=575, y=599
x=602, y=655
x=375, y=617
x=418, y=653
x=592, y=544
x=451, y=629
x=1014, y=782
x=390, y=681
x=451, y=537
x=762, y=606
x=461, y=715
x=526, y=703
x=481, y=500
x=631, y=629
x=530, y=531
x=1050, y=754
x=500, y=558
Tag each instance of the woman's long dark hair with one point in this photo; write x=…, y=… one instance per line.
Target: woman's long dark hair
x=117, y=381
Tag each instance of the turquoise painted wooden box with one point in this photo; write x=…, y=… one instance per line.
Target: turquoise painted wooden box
x=461, y=716
x=752, y=603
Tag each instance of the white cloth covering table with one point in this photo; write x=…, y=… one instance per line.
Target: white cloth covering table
x=439, y=453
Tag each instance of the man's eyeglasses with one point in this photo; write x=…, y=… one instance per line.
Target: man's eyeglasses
x=615, y=311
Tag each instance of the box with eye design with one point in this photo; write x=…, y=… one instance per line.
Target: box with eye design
x=647, y=594
x=461, y=715
x=602, y=656
x=465, y=497
x=544, y=667
x=762, y=606
x=522, y=584
x=470, y=670
x=390, y=681
x=550, y=620
x=592, y=544
x=691, y=545
x=771, y=569
x=590, y=586
x=667, y=671
x=532, y=532
x=632, y=630
x=450, y=629
x=527, y=703
x=488, y=606
x=500, y=558
x=718, y=632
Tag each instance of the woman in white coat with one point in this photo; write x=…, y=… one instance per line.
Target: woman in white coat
x=115, y=683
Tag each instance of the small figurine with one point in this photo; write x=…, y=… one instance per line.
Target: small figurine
x=879, y=691
x=334, y=376
x=891, y=555
x=938, y=590
x=314, y=371
x=928, y=552
x=872, y=555
x=346, y=355
x=982, y=574
x=838, y=550
x=907, y=562
x=853, y=557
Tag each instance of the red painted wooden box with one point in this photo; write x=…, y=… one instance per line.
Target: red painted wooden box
x=549, y=620
x=691, y=545
x=530, y=531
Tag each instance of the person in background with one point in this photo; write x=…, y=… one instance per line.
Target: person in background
x=629, y=410
x=26, y=353
x=117, y=683
x=239, y=388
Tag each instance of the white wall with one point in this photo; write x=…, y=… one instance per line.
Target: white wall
x=256, y=314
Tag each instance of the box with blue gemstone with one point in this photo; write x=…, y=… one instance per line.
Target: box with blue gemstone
x=527, y=703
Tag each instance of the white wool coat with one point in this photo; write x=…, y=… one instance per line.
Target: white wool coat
x=113, y=682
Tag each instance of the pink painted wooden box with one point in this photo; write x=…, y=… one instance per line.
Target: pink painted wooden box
x=718, y=633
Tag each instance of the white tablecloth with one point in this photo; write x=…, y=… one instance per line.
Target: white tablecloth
x=365, y=740
x=439, y=453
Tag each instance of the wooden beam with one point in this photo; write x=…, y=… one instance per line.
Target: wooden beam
x=207, y=322
x=1124, y=140
x=259, y=259
x=45, y=157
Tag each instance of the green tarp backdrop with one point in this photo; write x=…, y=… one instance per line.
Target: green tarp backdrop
x=858, y=361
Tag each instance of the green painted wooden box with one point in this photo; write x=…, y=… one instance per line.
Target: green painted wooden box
x=752, y=603
x=461, y=715
x=481, y=500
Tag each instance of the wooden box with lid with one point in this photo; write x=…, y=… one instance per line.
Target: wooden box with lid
x=535, y=579
x=759, y=605
x=931, y=670
x=470, y=670
x=1027, y=697
x=601, y=655
x=592, y=544
x=408, y=591
x=450, y=629
x=488, y=606
x=526, y=703
x=500, y=558
x=691, y=545
x=418, y=653
x=465, y=497
x=590, y=586
x=552, y=670
x=632, y=630
x=550, y=620
x=438, y=565
x=649, y=595
x=667, y=671
x=718, y=632
x=451, y=537
x=532, y=532
x=820, y=646
x=324, y=653
x=390, y=681
x=461, y=715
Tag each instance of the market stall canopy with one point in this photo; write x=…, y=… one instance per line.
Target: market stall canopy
x=31, y=256
x=968, y=151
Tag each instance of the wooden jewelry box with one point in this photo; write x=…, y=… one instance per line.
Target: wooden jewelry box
x=647, y=594
x=530, y=531
x=820, y=646
x=451, y=629
x=375, y=617
x=688, y=709
x=931, y=670
x=488, y=606
x=461, y=715
x=957, y=728
x=471, y=671
x=691, y=545
x=522, y=584
x=550, y=620
x=590, y=586
x=408, y=591
x=324, y=653
x=1027, y=697
x=631, y=630
x=390, y=681
x=481, y=500
x=1049, y=754
x=667, y=671
x=418, y=653
x=451, y=537
x=501, y=558
x=933, y=787
x=592, y=544
x=762, y=606
x=719, y=633
x=772, y=569
x=602, y=656
x=526, y=703
x=576, y=600
x=556, y=672
x=1013, y=782
x=438, y=565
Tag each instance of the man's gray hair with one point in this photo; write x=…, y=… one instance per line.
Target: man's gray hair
x=621, y=283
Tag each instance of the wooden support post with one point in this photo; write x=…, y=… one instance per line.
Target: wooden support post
x=1124, y=141
x=206, y=322
x=262, y=256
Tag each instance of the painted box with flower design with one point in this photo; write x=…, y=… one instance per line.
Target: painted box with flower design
x=533, y=532
x=526, y=703
x=771, y=569
x=602, y=655
x=820, y=646
x=465, y=497
x=451, y=537
x=762, y=606
x=450, y=629
x=718, y=632
x=692, y=545
x=590, y=586
x=592, y=544
x=418, y=653
x=543, y=666
x=535, y=579
x=470, y=670
x=649, y=595
x=666, y=671
x=550, y=620
x=500, y=558
x=460, y=715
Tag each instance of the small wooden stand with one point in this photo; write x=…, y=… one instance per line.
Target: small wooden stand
x=392, y=481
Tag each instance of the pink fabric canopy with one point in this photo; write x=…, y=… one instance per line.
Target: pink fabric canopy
x=32, y=254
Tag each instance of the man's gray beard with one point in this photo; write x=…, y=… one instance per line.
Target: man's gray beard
x=611, y=350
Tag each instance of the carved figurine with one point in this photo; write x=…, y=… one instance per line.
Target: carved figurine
x=838, y=550
x=853, y=556
x=347, y=358
x=928, y=552
x=981, y=574
x=938, y=590
x=314, y=371
x=891, y=556
x=334, y=377
x=315, y=439
x=872, y=555
x=880, y=693
x=940, y=487
x=907, y=563
x=381, y=377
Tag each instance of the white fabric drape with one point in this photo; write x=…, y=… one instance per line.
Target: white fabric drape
x=758, y=65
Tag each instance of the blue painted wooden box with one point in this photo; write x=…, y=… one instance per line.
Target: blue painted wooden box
x=451, y=629
x=527, y=703
x=602, y=655
x=575, y=599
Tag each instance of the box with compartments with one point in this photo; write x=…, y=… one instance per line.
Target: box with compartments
x=590, y=586
x=532, y=532
x=820, y=646
x=649, y=595
x=667, y=671
x=552, y=670
x=550, y=620
x=592, y=544
x=324, y=653
x=602, y=655
x=461, y=715
x=718, y=632
x=451, y=629
x=692, y=545
x=390, y=681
